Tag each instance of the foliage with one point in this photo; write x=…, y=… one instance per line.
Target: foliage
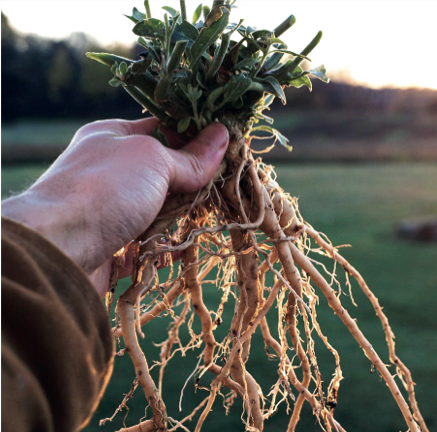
x=195, y=72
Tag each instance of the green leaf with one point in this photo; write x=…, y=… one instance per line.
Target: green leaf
x=115, y=82
x=276, y=134
x=157, y=134
x=183, y=124
x=108, y=59
x=123, y=68
x=138, y=15
x=236, y=87
x=320, y=73
x=209, y=35
x=267, y=119
x=185, y=31
x=141, y=66
x=291, y=53
x=170, y=10
x=133, y=19
x=268, y=100
x=274, y=87
x=276, y=40
x=300, y=81
x=246, y=63
x=282, y=140
x=195, y=95
x=197, y=13
x=151, y=28
x=260, y=34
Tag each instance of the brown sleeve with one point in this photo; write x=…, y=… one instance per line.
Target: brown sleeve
x=57, y=347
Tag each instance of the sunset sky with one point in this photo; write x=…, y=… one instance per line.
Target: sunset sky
x=379, y=43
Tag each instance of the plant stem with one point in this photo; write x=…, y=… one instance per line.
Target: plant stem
x=144, y=101
x=147, y=6
x=282, y=28
x=218, y=60
x=218, y=3
x=183, y=10
x=298, y=60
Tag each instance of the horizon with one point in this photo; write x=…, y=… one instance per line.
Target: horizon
x=350, y=48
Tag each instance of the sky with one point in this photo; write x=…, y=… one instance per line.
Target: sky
x=377, y=43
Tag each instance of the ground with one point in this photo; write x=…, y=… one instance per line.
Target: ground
x=354, y=204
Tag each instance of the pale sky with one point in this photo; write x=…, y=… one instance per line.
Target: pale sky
x=379, y=43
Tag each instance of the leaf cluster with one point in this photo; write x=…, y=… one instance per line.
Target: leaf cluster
x=196, y=71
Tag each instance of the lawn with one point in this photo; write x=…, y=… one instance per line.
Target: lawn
x=354, y=204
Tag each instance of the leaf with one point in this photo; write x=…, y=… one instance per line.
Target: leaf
x=276, y=134
x=183, y=124
x=282, y=140
x=274, y=87
x=320, y=73
x=170, y=10
x=246, y=63
x=115, y=82
x=215, y=14
x=268, y=100
x=291, y=52
x=276, y=40
x=236, y=87
x=300, y=81
x=133, y=19
x=151, y=28
x=123, y=68
x=197, y=13
x=157, y=134
x=178, y=76
x=209, y=35
x=108, y=59
x=260, y=34
x=267, y=119
x=141, y=66
x=138, y=15
x=185, y=31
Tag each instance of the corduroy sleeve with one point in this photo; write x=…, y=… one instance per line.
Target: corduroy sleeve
x=57, y=348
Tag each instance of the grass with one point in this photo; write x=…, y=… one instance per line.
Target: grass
x=357, y=205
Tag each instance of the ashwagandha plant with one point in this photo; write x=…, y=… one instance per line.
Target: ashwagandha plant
x=240, y=227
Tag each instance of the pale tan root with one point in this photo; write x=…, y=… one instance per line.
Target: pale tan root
x=352, y=326
x=403, y=372
x=217, y=382
x=248, y=303
x=143, y=277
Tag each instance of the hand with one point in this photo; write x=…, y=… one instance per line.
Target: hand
x=109, y=185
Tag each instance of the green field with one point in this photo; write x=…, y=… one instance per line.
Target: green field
x=358, y=205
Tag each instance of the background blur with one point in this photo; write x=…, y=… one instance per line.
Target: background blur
x=364, y=166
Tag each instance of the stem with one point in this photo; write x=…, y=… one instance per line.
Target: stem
x=282, y=28
x=218, y=60
x=183, y=10
x=218, y=3
x=298, y=60
x=146, y=103
x=147, y=6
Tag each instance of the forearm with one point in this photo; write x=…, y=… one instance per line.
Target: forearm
x=57, y=347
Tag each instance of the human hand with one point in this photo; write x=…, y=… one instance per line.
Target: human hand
x=109, y=185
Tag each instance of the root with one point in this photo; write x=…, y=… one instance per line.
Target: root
x=239, y=229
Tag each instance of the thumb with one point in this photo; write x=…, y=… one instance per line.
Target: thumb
x=194, y=165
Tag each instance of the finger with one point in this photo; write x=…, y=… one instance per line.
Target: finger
x=175, y=140
x=120, y=127
x=141, y=127
x=195, y=165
